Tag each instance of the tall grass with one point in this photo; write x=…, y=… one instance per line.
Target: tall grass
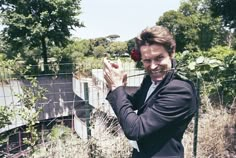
x=214, y=140
x=108, y=141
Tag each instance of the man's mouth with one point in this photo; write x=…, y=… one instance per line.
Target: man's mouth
x=156, y=71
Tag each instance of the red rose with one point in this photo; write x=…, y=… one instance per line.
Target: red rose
x=135, y=55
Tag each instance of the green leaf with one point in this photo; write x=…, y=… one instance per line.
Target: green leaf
x=192, y=65
x=200, y=60
x=214, y=63
x=199, y=75
x=221, y=68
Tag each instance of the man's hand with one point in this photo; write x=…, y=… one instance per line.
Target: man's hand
x=114, y=74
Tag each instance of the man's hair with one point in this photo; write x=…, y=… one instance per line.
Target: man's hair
x=156, y=35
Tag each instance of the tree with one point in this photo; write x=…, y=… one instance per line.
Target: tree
x=39, y=23
x=193, y=26
x=112, y=37
x=226, y=9
x=99, y=51
x=78, y=49
x=117, y=48
x=178, y=24
x=101, y=41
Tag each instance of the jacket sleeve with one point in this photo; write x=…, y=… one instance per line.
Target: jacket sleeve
x=175, y=103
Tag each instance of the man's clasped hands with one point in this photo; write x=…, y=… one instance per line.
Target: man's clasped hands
x=114, y=74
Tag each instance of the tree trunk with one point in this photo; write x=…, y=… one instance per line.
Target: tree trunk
x=44, y=54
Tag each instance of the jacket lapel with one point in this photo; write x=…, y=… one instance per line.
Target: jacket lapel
x=169, y=76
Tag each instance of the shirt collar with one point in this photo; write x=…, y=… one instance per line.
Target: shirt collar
x=156, y=82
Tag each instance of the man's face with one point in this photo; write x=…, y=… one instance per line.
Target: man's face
x=156, y=60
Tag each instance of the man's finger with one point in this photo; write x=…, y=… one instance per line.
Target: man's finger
x=119, y=63
x=107, y=63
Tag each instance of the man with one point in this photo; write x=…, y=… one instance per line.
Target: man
x=165, y=102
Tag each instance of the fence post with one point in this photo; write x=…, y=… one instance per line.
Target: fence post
x=87, y=110
x=87, y=114
x=8, y=146
x=20, y=143
x=196, y=120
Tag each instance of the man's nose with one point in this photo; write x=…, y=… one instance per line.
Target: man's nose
x=153, y=64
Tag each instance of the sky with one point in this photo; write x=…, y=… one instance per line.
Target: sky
x=126, y=18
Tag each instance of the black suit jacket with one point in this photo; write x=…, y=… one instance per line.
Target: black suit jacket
x=161, y=120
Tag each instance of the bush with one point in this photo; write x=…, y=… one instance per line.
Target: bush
x=216, y=71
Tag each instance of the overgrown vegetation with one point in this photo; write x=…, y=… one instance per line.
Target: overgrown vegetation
x=106, y=141
x=215, y=138
x=216, y=71
x=29, y=97
x=61, y=142
x=5, y=116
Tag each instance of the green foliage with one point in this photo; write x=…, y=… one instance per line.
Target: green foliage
x=99, y=51
x=216, y=70
x=178, y=25
x=60, y=55
x=64, y=143
x=57, y=53
x=71, y=147
x=5, y=73
x=59, y=132
x=12, y=69
x=112, y=37
x=29, y=97
x=234, y=40
x=2, y=57
x=5, y=116
x=78, y=48
x=193, y=27
x=220, y=52
x=226, y=9
x=102, y=41
x=29, y=112
x=84, y=66
x=117, y=48
x=39, y=23
x=189, y=7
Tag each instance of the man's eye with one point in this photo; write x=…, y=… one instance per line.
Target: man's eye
x=147, y=60
x=159, y=58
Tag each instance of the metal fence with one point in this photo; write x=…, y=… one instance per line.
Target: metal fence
x=71, y=100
